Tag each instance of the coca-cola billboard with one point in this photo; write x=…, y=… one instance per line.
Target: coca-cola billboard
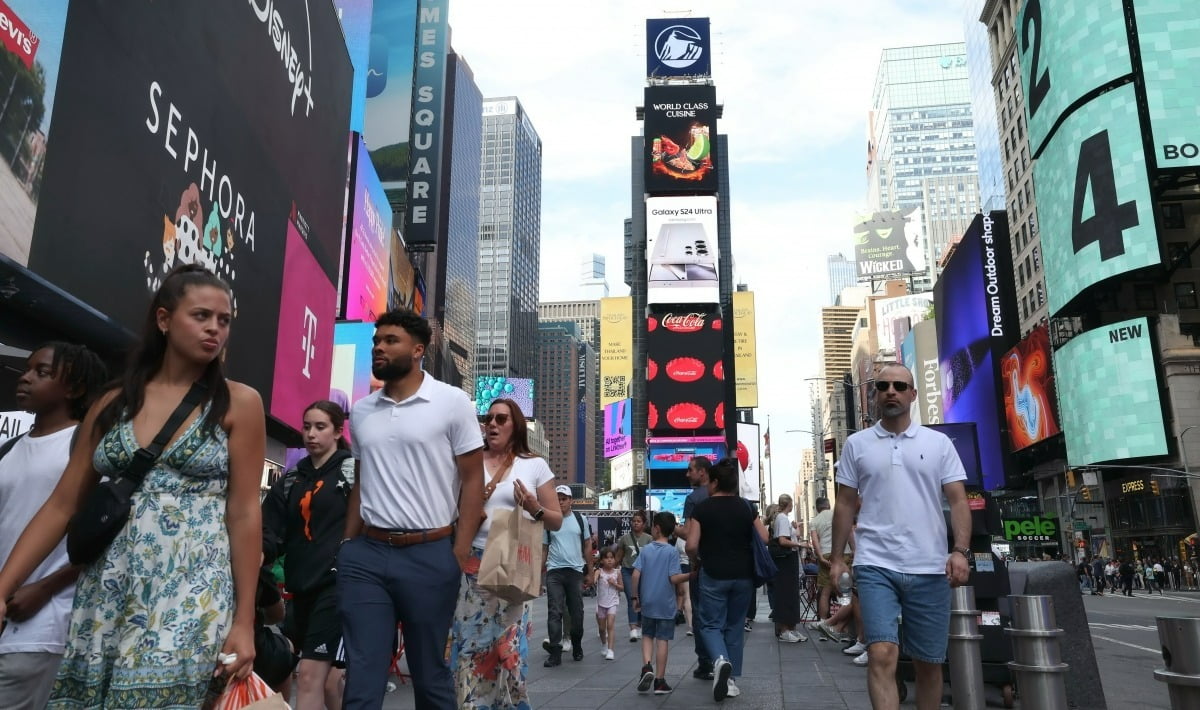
x=685, y=385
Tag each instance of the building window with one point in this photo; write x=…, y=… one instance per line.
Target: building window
x=1144, y=297
x=1172, y=215
x=1185, y=294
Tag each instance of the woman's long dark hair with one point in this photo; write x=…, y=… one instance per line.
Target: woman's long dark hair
x=146, y=359
x=336, y=415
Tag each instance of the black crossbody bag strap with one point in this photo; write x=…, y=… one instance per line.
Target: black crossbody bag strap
x=145, y=457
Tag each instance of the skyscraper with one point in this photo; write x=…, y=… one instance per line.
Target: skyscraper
x=842, y=274
x=565, y=403
x=983, y=108
x=510, y=238
x=593, y=282
x=584, y=317
x=920, y=127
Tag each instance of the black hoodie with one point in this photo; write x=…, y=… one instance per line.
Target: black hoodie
x=304, y=516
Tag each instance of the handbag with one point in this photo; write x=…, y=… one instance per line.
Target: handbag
x=105, y=511
x=511, y=566
x=764, y=567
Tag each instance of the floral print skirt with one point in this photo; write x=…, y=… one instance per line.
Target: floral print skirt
x=489, y=647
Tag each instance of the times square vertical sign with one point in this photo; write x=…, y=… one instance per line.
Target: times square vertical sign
x=428, y=109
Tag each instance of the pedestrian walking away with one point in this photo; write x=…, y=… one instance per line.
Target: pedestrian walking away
x=901, y=470
x=785, y=550
x=628, y=548
x=59, y=383
x=697, y=475
x=304, y=516
x=655, y=575
x=138, y=638
x=489, y=654
x=567, y=552
x=413, y=513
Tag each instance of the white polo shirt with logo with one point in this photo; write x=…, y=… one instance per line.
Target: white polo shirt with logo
x=408, y=475
x=899, y=478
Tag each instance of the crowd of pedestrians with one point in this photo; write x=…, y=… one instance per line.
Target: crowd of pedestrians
x=1125, y=576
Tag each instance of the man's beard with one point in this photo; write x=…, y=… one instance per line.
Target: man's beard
x=893, y=409
x=393, y=370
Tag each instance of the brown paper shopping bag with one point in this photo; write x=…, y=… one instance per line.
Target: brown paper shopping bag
x=511, y=567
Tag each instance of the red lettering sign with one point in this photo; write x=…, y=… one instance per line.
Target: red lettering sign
x=685, y=369
x=524, y=554
x=683, y=323
x=16, y=36
x=686, y=415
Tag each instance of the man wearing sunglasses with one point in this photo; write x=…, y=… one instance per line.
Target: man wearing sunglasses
x=901, y=470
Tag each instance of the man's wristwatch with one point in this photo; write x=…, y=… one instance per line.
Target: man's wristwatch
x=964, y=551
x=541, y=513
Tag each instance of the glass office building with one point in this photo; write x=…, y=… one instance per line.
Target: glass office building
x=983, y=108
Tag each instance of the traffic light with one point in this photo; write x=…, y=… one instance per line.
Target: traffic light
x=1070, y=478
x=1154, y=487
x=1086, y=493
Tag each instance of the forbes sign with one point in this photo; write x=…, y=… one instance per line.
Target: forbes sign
x=678, y=47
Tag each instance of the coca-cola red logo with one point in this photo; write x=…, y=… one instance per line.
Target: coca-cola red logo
x=651, y=369
x=719, y=415
x=686, y=415
x=684, y=322
x=719, y=370
x=685, y=369
x=652, y=417
x=651, y=324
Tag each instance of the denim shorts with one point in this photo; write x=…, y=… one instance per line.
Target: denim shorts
x=921, y=600
x=660, y=629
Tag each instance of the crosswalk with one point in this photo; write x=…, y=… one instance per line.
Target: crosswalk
x=1123, y=627
x=1170, y=597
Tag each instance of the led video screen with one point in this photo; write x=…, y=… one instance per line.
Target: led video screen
x=1029, y=399
x=680, y=132
x=681, y=250
x=685, y=373
x=489, y=388
x=1169, y=40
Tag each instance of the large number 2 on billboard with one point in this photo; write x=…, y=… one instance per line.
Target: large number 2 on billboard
x=1040, y=85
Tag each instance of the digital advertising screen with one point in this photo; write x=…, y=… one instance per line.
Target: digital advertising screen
x=489, y=388
x=745, y=349
x=370, y=227
x=1029, y=399
x=618, y=428
x=681, y=131
x=137, y=140
x=351, y=378
x=890, y=243
x=681, y=250
x=1169, y=40
x=910, y=309
x=678, y=47
x=1093, y=196
x=976, y=322
x=749, y=457
x=674, y=453
x=966, y=444
x=685, y=376
x=616, y=349
x=387, y=112
x=668, y=500
x=621, y=472
x=355, y=16
x=1067, y=48
x=1108, y=392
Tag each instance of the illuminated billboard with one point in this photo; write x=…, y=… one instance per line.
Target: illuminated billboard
x=745, y=350
x=355, y=16
x=681, y=250
x=674, y=453
x=926, y=369
x=976, y=322
x=616, y=349
x=911, y=308
x=1169, y=39
x=678, y=47
x=489, y=388
x=680, y=133
x=1093, y=196
x=387, y=112
x=1109, y=391
x=1029, y=399
x=890, y=243
x=966, y=445
x=369, y=229
x=685, y=374
x=351, y=378
x=618, y=428
x=749, y=457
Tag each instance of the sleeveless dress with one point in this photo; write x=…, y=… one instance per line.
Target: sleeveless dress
x=150, y=616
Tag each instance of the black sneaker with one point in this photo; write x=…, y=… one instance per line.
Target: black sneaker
x=722, y=670
x=703, y=673
x=576, y=650
x=749, y=626
x=661, y=687
x=647, y=678
x=554, y=659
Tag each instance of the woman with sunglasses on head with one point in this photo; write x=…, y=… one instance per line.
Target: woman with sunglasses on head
x=490, y=639
x=176, y=587
x=304, y=515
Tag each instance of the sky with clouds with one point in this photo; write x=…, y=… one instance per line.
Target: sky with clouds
x=795, y=78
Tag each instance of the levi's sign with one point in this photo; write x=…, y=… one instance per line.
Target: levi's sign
x=1035, y=529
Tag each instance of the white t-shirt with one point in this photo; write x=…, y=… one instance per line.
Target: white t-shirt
x=900, y=477
x=681, y=546
x=533, y=472
x=823, y=523
x=28, y=474
x=782, y=527
x=408, y=475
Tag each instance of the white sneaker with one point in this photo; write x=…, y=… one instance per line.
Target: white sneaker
x=732, y=691
x=566, y=645
x=791, y=637
x=608, y=654
x=861, y=659
x=634, y=635
x=854, y=650
x=721, y=672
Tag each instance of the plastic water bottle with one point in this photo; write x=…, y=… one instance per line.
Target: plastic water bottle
x=844, y=586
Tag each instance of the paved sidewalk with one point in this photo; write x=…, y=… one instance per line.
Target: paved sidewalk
x=813, y=674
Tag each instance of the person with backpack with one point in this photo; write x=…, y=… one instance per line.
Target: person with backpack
x=567, y=553
x=628, y=548
x=303, y=517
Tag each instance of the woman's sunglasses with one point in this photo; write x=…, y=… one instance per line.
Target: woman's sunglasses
x=501, y=418
x=898, y=385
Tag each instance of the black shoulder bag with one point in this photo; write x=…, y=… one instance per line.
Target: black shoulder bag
x=104, y=514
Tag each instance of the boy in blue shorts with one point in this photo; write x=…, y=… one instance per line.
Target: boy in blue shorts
x=655, y=574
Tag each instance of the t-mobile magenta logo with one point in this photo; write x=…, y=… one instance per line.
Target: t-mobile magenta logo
x=308, y=342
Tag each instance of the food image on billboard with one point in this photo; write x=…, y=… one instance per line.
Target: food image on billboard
x=1029, y=398
x=678, y=47
x=681, y=250
x=1169, y=43
x=890, y=243
x=680, y=133
x=489, y=388
x=1108, y=392
x=618, y=428
x=685, y=375
x=1093, y=195
x=749, y=457
x=367, y=271
x=616, y=349
x=1067, y=48
x=745, y=349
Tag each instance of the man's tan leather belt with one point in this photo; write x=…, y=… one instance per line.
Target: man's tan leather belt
x=404, y=539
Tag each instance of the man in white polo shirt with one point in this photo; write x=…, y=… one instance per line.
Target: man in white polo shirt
x=901, y=470
x=416, y=504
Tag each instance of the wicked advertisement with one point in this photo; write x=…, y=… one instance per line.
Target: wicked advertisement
x=196, y=133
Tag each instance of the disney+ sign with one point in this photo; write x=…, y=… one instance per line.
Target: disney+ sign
x=678, y=47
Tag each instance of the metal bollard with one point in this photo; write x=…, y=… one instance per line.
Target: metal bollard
x=964, y=651
x=1037, y=663
x=1180, y=639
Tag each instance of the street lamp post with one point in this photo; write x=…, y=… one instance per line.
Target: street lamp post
x=1187, y=470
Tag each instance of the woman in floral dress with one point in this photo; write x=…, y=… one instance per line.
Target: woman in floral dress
x=490, y=649
x=177, y=585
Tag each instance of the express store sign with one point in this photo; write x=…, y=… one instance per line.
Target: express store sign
x=685, y=375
